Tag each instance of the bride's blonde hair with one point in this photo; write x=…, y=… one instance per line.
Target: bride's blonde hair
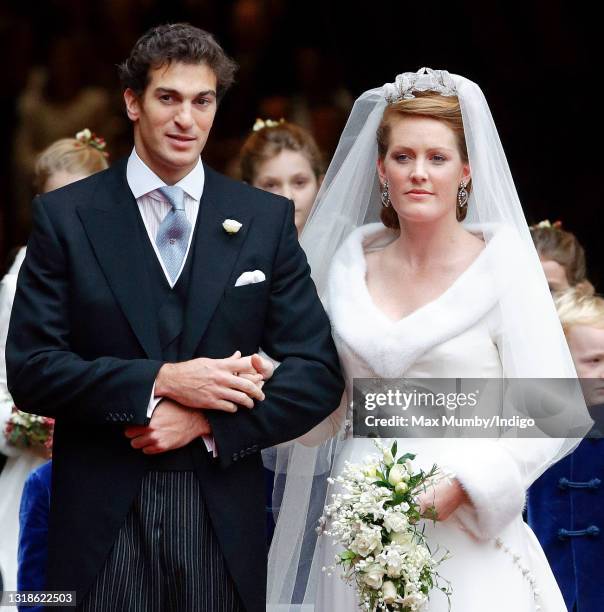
x=425, y=104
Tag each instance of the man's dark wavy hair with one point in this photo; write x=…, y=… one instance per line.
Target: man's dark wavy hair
x=176, y=42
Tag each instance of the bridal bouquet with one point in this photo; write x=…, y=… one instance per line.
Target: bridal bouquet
x=377, y=519
x=31, y=431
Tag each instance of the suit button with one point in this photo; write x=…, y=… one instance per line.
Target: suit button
x=235, y=456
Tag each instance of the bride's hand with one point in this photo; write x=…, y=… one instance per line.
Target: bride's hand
x=440, y=501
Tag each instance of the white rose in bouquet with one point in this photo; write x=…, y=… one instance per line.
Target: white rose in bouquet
x=396, y=521
x=366, y=541
x=394, y=560
x=404, y=539
x=397, y=472
x=401, y=487
x=374, y=576
x=389, y=592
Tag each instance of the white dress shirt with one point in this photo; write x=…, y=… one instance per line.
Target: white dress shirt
x=153, y=207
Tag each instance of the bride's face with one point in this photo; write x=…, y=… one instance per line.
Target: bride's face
x=424, y=168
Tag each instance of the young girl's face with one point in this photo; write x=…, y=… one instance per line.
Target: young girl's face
x=61, y=178
x=555, y=275
x=587, y=347
x=290, y=174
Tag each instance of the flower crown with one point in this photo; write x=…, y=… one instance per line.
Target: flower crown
x=425, y=79
x=547, y=224
x=268, y=123
x=90, y=139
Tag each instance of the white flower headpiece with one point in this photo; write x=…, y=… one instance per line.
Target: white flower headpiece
x=547, y=224
x=261, y=124
x=425, y=79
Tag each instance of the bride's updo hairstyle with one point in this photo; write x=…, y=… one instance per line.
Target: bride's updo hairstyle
x=270, y=140
x=432, y=106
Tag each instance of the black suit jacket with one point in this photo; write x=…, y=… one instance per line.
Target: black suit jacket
x=83, y=348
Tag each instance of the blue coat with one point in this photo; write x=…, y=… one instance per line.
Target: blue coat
x=33, y=532
x=566, y=512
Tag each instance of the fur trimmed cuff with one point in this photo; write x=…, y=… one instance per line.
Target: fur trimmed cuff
x=490, y=476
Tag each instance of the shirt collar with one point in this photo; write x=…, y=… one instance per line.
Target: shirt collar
x=142, y=180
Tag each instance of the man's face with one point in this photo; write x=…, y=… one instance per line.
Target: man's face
x=173, y=117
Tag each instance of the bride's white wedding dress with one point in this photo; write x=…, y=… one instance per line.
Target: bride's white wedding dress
x=496, y=563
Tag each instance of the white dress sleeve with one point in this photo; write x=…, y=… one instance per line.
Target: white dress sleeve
x=496, y=473
x=8, y=286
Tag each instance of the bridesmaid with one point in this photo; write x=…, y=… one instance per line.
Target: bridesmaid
x=561, y=255
x=63, y=162
x=283, y=158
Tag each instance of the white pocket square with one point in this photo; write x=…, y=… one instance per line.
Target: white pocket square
x=249, y=278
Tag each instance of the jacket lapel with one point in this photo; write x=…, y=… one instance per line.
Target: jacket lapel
x=214, y=256
x=111, y=225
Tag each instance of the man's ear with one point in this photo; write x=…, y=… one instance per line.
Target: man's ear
x=133, y=104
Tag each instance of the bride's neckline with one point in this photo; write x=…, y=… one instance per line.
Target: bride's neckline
x=388, y=319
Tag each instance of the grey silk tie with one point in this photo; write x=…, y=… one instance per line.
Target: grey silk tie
x=173, y=233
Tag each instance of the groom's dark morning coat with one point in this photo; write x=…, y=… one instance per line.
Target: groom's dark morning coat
x=83, y=347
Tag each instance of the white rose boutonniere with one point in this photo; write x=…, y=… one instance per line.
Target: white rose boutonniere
x=231, y=226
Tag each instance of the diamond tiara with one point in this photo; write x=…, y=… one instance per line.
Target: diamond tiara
x=425, y=79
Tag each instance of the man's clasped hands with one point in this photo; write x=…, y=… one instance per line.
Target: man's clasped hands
x=189, y=388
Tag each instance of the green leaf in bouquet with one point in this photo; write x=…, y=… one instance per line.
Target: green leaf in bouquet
x=383, y=483
x=398, y=499
x=413, y=515
x=417, y=479
x=393, y=449
x=347, y=555
x=406, y=456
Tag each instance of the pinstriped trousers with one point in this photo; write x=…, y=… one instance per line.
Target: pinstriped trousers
x=166, y=556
